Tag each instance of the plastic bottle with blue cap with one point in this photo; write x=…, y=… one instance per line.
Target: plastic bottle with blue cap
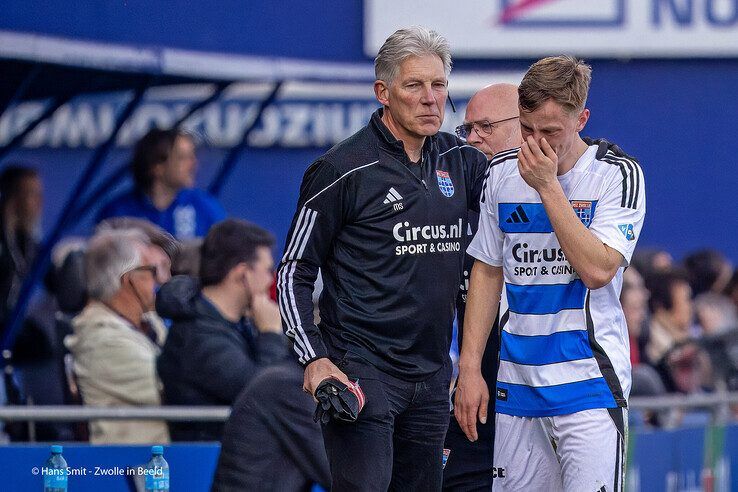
x=54, y=471
x=157, y=471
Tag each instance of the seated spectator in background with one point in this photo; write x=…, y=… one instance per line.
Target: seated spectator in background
x=212, y=351
x=271, y=442
x=718, y=317
x=21, y=205
x=38, y=351
x=163, y=168
x=732, y=289
x=683, y=364
x=114, y=357
x=634, y=299
x=671, y=313
x=650, y=260
x=163, y=247
x=715, y=313
x=708, y=271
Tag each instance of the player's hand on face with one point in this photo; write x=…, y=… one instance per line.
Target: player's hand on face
x=538, y=164
x=319, y=370
x=472, y=398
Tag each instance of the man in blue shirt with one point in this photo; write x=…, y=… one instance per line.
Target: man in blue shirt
x=163, y=168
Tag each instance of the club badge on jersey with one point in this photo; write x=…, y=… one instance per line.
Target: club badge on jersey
x=583, y=209
x=445, y=184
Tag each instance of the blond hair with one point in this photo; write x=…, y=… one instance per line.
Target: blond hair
x=564, y=79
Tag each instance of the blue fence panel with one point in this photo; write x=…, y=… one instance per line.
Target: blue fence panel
x=679, y=460
x=191, y=466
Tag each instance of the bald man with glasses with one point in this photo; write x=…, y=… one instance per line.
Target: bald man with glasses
x=491, y=121
x=491, y=125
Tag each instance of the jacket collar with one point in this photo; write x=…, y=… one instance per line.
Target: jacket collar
x=388, y=141
x=207, y=309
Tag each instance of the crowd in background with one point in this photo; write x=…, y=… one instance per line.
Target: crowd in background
x=169, y=302
x=682, y=321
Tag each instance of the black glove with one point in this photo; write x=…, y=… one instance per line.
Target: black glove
x=603, y=146
x=338, y=401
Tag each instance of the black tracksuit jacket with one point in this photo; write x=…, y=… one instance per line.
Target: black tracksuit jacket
x=390, y=246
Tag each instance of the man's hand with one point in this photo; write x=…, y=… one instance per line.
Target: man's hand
x=319, y=370
x=265, y=313
x=538, y=165
x=472, y=398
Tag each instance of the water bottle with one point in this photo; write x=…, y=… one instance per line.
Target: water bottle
x=55, y=471
x=157, y=471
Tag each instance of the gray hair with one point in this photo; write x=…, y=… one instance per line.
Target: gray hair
x=404, y=43
x=110, y=254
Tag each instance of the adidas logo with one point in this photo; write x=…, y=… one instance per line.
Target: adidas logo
x=394, y=198
x=518, y=216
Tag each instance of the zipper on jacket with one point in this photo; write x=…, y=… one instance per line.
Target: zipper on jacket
x=407, y=169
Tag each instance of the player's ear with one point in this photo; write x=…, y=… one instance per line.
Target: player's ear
x=381, y=92
x=582, y=119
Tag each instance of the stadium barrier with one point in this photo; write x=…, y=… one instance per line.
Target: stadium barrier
x=700, y=455
x=718, y=403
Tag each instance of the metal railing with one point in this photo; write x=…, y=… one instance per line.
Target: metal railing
x=72, y=413
x=672, y=401
x=719, y=403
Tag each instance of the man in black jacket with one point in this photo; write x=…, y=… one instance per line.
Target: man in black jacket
x=212, y=350
x=21, y=205
x=384, y=215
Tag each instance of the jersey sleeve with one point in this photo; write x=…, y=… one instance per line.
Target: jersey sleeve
x=319, y=217
x=487, y=243
x=619, y=214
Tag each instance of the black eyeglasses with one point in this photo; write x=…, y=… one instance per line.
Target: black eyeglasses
x=483, y=128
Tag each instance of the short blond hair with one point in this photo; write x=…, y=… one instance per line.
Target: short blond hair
x=564, y=79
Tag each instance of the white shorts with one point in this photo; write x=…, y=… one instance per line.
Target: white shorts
x=578, y=452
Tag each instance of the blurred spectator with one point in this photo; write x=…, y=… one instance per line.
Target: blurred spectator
x=715, y=313
x=114, y=352
x=672, y=311
x=686, y=368
x=21, y=205
x=718, y=317
x=163, y=168
x=681, y=361
x=271, y=428
x=187, y=260
x=646, y=381
x=212, y=351
x=634, y=299
x=732, y=289
x=38, y=352
x=649, y=261
x=708, y=271
x=163, y=248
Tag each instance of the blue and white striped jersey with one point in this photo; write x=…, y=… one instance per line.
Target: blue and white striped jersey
x=564, y=348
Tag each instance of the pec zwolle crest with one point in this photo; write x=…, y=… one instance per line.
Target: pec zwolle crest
x=445, y=184
x=583, y=209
